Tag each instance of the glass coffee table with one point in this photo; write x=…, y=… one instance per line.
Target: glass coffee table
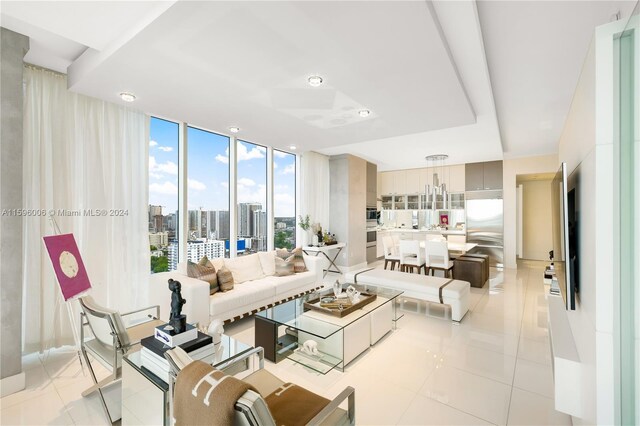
x=283, y=329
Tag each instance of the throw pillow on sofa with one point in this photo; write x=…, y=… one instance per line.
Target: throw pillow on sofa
x=284, y=267
x=298, y=258
x=268, y=261
x=245, y=268
x=225, y=279
x=204, y=271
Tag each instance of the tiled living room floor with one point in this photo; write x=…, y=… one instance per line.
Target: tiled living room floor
x=494, y=367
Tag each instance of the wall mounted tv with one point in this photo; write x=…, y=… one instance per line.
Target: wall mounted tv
x=564, y=213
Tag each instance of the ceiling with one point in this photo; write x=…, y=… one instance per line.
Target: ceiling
x=477, y=81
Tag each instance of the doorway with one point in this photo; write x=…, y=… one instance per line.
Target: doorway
x=534, y=238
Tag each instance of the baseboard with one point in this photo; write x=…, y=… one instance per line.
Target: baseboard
x=12, y=384
x=353, y=268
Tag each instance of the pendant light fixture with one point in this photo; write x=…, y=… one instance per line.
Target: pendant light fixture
x=438, y=187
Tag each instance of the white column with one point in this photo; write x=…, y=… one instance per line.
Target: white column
x=183, y=212
x=233, y=197
x=298, y=192
x=270, y=204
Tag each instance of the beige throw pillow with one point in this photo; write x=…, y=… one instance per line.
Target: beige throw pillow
x=245, y=268
x=298, y=261
x=225, y=279
x=204, y=271
x=284, y=267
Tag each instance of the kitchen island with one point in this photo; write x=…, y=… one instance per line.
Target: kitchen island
x=412, y=234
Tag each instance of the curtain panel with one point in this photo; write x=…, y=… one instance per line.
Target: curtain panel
x=82, y=157
x=315, y=176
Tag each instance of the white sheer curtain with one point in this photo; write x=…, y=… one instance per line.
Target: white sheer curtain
x=82, y=153
x=314, y=191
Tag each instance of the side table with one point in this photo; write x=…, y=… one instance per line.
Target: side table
x=317, y=250
x=145, y=396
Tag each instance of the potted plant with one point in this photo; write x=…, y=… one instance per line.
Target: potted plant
x=305, y=224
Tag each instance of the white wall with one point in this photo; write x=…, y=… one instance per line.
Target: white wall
x=511, y=168
x=586, y=145
x=536, y=220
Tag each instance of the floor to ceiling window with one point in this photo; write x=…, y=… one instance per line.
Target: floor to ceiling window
x=251, y=186
x=284, y=199
x=163, y=194
x=207, y=194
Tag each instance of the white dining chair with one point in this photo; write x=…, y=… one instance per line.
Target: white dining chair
x=411, y=256
x=437, y=257
x=391, y=254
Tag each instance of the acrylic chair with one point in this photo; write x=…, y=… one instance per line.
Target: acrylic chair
x=437, y=257
x=390, y=252
x=411, y=256
x=110, y=341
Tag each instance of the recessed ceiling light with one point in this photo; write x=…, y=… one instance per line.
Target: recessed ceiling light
x=234, y=129
x=315, y=80
x=292, y=147
x=364, y=113
x=127, y=97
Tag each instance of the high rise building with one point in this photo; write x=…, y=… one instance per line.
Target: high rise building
x=159, y=239
x=246, y=220
x=196, y=250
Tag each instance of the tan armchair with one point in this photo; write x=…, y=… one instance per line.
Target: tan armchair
x=252, y=408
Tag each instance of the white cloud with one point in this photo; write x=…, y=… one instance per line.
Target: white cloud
x=155, y=168
x=279, y=154
x=253, y=194
x=289, y=169
x=222, y=159
x=153, y=143
x=224, y=184
x=285, y=205
x=166, y=188
x=196, y=185
x=165, y=148
x=275, y=165
x=243, y=153
x=246, y=182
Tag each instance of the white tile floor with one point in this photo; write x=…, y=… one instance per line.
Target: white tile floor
x=493, y=368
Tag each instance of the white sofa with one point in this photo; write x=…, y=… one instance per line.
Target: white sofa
x=246, y=298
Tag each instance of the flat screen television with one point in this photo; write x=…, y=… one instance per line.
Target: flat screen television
x=565, y=235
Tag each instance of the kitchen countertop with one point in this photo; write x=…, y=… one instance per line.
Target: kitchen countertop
x=429, y=231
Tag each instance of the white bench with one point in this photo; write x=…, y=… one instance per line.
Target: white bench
x=454, y=293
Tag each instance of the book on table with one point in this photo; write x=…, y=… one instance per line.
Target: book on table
x=167, y=334
x=153, y=350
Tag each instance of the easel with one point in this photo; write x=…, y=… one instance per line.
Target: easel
x=74, y=331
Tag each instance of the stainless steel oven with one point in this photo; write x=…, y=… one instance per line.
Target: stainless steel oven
x=372, y=245
x=372, y=217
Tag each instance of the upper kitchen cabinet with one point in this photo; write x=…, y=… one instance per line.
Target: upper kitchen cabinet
x=412, y=182
x=372, y=184
x=387, y=181
x=483, y=176
x=400, y=182
x=456, y=178
x=493, y=175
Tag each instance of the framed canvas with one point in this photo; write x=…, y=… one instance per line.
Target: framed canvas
x=67, y=264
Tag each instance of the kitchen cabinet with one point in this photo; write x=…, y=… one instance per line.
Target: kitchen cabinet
x=493, y=175
x=456, y=181
x=386, y=183
x=483, y=176
x=412, y=182
x=400, y=182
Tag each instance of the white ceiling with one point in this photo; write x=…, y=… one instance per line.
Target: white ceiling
x=421, y=67
x=535, y=51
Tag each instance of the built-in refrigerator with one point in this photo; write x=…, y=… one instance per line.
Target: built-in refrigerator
x=485, y=226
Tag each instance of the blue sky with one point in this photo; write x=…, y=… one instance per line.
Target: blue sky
x=208, y=171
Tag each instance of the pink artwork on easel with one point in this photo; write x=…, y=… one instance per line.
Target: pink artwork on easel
x=67, y=264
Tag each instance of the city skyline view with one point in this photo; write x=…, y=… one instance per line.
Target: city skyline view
x=208, y=171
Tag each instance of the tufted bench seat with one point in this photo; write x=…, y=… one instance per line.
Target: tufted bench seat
x=454, y=293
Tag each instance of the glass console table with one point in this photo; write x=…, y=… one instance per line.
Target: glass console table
x=145, y=396
x=283, y=329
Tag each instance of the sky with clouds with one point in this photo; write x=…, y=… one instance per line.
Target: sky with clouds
x=208, y=171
